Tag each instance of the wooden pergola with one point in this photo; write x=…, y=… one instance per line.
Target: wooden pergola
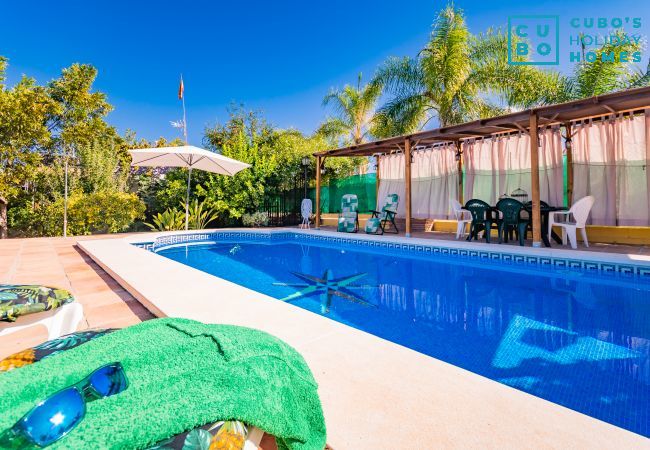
x=523, y=121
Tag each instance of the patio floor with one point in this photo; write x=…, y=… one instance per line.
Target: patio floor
x=59, y=263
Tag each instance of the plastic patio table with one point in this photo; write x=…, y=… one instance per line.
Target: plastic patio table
x=545, y=211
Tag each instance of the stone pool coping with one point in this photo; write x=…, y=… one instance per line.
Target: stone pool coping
x=375, y=394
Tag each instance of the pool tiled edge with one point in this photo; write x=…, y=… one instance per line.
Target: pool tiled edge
x=592, y=262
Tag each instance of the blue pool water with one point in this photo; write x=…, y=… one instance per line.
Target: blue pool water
x=573, y=338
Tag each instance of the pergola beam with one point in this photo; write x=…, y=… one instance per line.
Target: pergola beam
x=617, y=102
x=609, y=108
x=522, y=129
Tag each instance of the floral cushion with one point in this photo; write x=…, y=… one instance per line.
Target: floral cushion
x=390, y=204
x=347, y=224
x=349, y=203
x=349, y=213
x=230, y=435
x=50, y=348
x=21, y=299
x=372, y=225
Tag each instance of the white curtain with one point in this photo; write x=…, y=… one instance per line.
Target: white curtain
x=610, y=162
x=434, y=180
x=501, y=165
x=391, y=181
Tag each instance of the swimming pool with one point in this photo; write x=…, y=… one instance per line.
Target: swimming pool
x=574, y=337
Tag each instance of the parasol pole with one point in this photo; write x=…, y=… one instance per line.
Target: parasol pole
x=189, y=171
x=187, y=199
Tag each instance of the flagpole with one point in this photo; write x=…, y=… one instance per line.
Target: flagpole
x=189, y=171
x=184, y=118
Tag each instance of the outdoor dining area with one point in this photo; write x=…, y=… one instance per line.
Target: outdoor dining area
x=512, y=217
x=550, y=173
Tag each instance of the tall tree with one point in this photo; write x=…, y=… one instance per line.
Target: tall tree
x=457, y=77
x=24, y=110
x=354, y=109
x=43, y=126
x=97, y=155
x=82, y=112
x=275, y=157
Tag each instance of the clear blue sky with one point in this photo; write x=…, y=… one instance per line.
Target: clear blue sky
x=279, y=57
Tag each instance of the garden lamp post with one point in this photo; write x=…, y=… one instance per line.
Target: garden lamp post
x=305, y=163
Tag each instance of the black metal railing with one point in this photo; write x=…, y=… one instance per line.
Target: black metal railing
x=283, y=208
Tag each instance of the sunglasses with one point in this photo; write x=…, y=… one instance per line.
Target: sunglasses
x=56, y=416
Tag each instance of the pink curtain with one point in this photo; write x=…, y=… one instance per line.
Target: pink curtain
x=610, y=159
x=434, y=180
x=500, y=165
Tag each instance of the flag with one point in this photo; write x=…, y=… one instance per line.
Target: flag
x=181, y=89
x=179, y=124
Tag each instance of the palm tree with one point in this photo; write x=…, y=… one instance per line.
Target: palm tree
x=355, y=111
x=643, y=78
x=457, y=77
x=603, y=75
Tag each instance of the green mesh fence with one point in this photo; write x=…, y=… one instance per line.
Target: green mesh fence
x=361, y=185
x=565, y=181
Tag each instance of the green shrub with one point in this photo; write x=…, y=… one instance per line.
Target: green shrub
x=170, y=220
x=30, y=221
x=257, y=219
x=103, y=212
x=96, y=213
x=200, y=215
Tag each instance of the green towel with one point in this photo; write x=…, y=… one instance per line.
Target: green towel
x=182, y=374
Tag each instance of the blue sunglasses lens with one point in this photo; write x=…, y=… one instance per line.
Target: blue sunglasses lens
x=109, y=380
x=54, y=417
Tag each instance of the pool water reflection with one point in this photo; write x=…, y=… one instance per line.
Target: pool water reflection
x=574, y=339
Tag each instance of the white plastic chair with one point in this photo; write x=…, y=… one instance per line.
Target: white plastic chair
x=305, y=212
x=575, y=218
x=58, y=321
x=463, y=216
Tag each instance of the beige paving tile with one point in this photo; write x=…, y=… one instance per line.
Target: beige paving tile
x=57, y=262
x=21, y=340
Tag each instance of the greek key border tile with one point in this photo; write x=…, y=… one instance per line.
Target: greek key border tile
x=592, y=267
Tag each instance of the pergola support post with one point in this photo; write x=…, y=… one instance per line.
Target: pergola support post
x=534, y=175
x=459, y=152
x=407, y=184
x=569, y=163
x=377, y=180
x=318, y=167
